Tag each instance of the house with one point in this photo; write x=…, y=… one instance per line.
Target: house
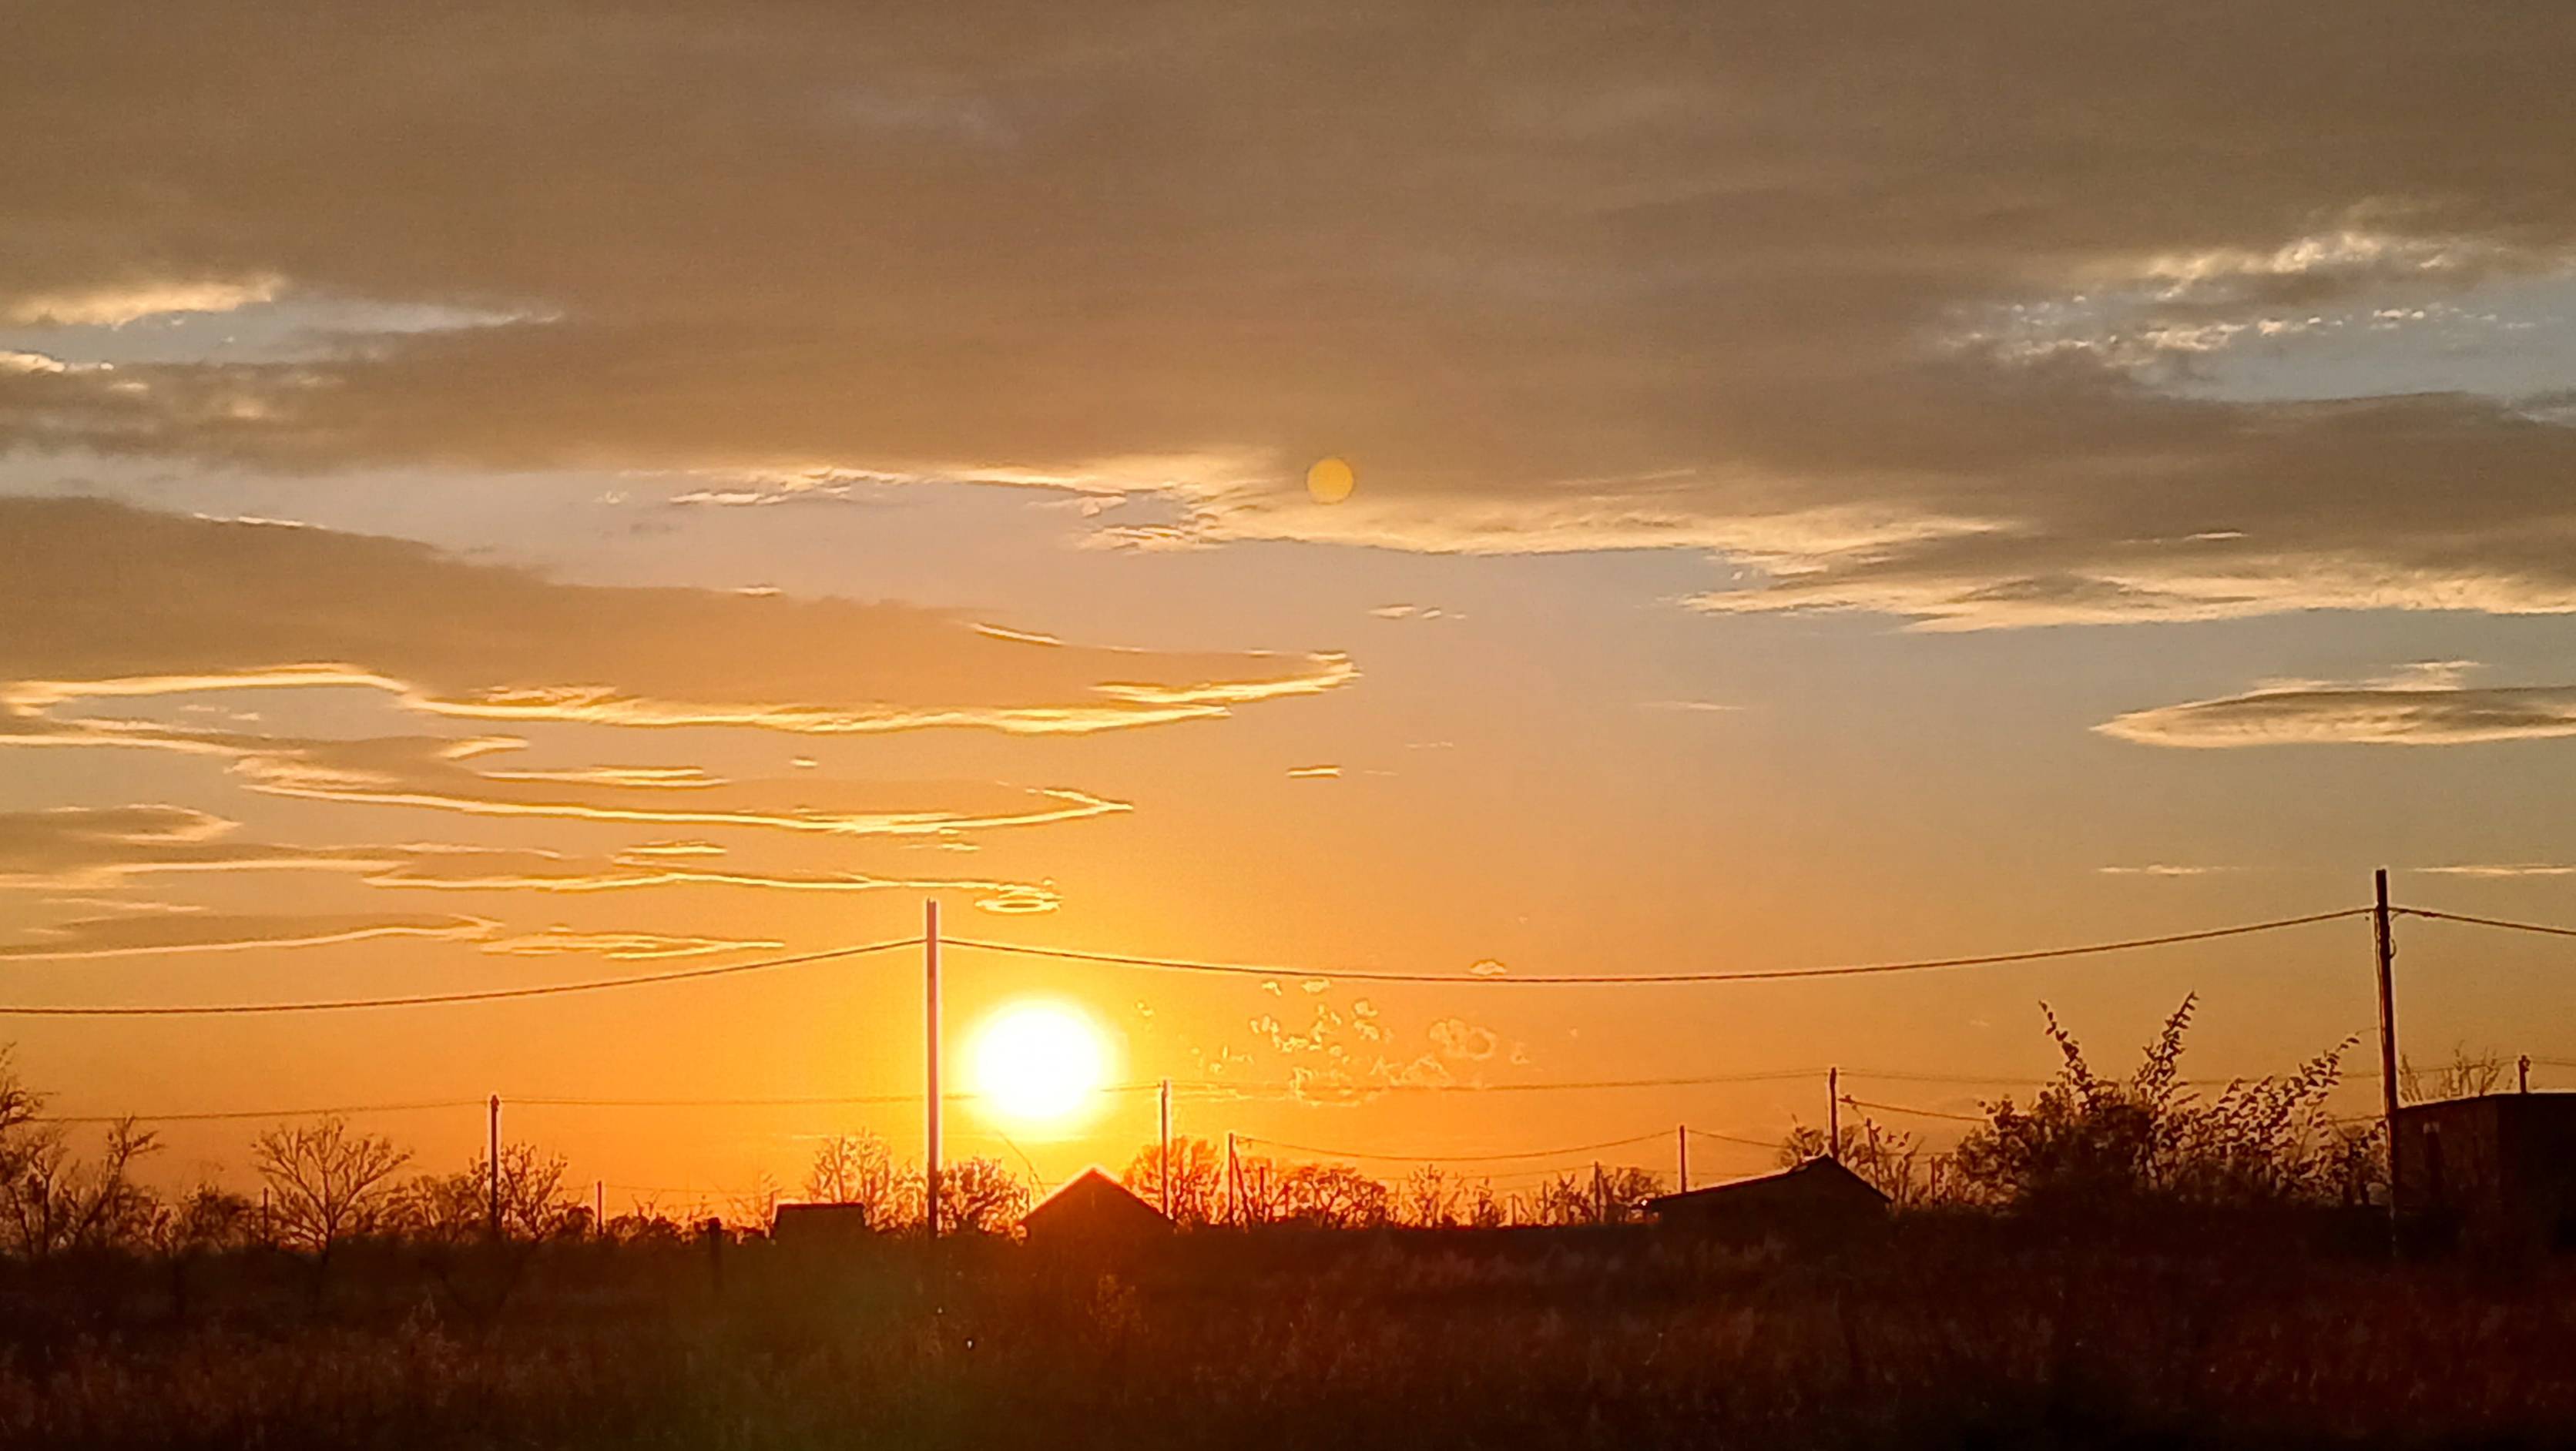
x=2495, y=1173
x=1819, y=1198
x=813, y=1225
x=1094, y=1212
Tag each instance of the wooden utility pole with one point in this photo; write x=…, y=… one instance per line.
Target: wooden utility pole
x=1233, y=1184
x=1163, y=1174
x=1600, y=1196
x=494, y=1162
x=1834, y=1113
x=1681, y=1153
x=930, y=1024
x=2387, y=953
x=2522, y=1074
x=599, y=1207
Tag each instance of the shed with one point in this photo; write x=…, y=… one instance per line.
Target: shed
x=2495, y=1173
x=1818, y=1198
x=821, y=1224
x=1094, y=1212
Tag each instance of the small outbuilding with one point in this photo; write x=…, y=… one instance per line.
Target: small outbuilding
x=2494, y=1174
x=1094, y=1212
x=1819, y=1198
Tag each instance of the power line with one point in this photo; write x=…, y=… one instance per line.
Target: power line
x=223, y=1115
x=1241, y=969
x=1965, y=1118
x=1654, y=1137
x=2507, y=924
x=484, y=996
x=1733, y=1139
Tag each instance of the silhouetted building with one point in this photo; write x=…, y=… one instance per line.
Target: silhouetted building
x=820, y=1224
x=1094, y=1212
x=1819, y=1198
x=2491, y=1173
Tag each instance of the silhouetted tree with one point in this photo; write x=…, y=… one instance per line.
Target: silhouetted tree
x=1333, y=1196
x=54, y=1201
x=2087, y=1140
x=325, y=1183
x=1197, y=1172
x=2467, y=1075
x=1429, y=1198
x=458, y=1207
x=859, y=1169
x=980, y=1196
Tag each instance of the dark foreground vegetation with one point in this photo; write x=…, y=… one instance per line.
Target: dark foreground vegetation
x=1948, y=1331
x=2118, y=1262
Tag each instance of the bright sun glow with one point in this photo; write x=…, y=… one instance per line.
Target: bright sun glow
x=1039, y=1062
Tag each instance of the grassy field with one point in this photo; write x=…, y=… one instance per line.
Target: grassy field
x=1953, y=1333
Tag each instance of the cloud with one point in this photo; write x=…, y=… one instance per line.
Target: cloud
x=118, y=303
x=1733, y=282
x=2164, y=869
x=624, y=946
x=2502, y=870
x=1313, y=773
x=77, y=848
x=152, y=934
x=2382, y=715
x=197, y=604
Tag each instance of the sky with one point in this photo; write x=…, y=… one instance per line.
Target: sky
x=497, y=496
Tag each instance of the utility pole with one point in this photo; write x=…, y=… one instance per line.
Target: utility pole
x=1600, y=1196
x=2387, y=944
x=1233, y=1185
x=1163, y=1174
x=1681, y=1153
x=599, y=1207
x=495, y=1165
x=2522, y=1074
x=930, y=1022
x=1834, y=1114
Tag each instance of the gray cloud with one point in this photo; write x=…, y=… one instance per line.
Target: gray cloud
x=1717, y=279
x=2381, y=715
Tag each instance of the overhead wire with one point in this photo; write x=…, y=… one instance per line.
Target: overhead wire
x=1454, y=1158
x=2507, y=923
x=484, y=995
x=1244, y=969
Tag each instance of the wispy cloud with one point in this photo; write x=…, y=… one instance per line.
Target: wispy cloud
x=2424, y=707
x=153, y=934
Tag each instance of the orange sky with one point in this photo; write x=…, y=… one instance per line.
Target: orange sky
x=502, y=498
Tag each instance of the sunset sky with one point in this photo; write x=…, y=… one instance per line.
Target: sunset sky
x=494, y=495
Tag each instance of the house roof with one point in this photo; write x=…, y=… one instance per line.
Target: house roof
x=1093, y=1203
x=1817, y=1174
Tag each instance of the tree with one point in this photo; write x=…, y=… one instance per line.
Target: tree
x=458, y=1207
x=980, y=1196
x=859, y=1169
x=2089, y=1141
x=53, y=1201
x=1888, y=1160
x=2467, y=1075
x=325, y=1183
x=1333, y=1196
x=1197, y=1172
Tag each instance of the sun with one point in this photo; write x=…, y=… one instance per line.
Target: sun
x=1039, y=1062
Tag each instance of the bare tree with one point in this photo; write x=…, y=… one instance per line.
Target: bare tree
x=2467, y=1075
x=1334, y=1196
x=457, y=1207
x=325, y=1183
x=981, y=1196
x=1197, y=1173
x=859, y=1169
x=54, y=1201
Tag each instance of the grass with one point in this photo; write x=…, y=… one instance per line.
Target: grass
x=1946, y=1333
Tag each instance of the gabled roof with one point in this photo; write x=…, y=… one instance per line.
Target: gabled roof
x=1094, y=1203
x=1817, y=1176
